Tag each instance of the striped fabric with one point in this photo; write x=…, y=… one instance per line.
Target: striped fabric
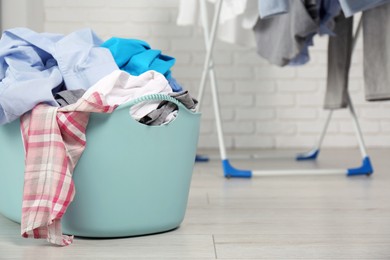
x=54, y=139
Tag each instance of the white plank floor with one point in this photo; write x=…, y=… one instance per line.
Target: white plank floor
x=306, y=217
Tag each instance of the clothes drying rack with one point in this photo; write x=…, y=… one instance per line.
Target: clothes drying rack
x=228, y=169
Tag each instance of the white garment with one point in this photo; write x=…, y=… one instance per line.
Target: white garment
x=236, y=21
x=188, y=13
x=230, y=9
x=120, y=87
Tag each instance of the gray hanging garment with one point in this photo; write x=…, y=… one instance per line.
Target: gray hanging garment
x=339, y=62
x=281, y=38
x=376, y=42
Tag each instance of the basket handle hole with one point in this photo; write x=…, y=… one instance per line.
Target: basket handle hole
x=154, y=113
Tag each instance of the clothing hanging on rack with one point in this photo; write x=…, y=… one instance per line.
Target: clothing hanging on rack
x=376, y=52
x=339, y=61
x=281, y=38
x=291, y=26
x=236, y=21
x=269, y=8
x=376, y=46
x=351, y=7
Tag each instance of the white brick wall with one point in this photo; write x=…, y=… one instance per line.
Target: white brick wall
x=263, y=106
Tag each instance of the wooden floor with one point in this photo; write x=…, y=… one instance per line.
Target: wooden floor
x=305, y=217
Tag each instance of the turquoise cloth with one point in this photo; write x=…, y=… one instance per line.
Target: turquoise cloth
x=136, y=56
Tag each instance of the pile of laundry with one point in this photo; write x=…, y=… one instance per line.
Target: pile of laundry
x=52, y=83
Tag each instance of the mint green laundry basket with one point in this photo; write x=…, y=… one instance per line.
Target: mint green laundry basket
x=132, y=179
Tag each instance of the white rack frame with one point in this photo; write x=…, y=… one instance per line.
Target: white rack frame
x=229, y=171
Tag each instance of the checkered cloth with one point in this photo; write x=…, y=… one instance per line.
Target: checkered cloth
x=54, y=139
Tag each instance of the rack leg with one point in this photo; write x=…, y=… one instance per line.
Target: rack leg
x=366, y=167
x=313, y=154
x=209, y=39
x=229, y=171
x=209, y=44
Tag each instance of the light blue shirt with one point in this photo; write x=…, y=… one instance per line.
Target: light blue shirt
x=350, y=7
x=269, y=8
x=34, y=65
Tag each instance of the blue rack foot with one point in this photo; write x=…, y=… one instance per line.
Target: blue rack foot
x=311, y=155
x=231, y=172
x=201, y=158
x=365, y=169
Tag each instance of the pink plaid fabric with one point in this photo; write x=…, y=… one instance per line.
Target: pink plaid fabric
x=54, y=139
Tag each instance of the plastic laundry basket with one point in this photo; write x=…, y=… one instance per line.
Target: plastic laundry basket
x=132, y=179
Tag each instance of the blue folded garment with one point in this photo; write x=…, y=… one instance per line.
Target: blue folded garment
x=136, y=56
